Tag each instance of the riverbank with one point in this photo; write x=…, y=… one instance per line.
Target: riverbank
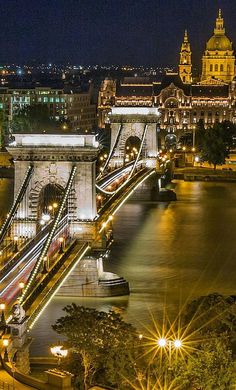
x=204, y=174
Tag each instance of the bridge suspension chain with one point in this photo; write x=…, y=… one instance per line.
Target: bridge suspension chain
x=139, y=151
x=50, y=236
x=113, y=148
x=20, y=194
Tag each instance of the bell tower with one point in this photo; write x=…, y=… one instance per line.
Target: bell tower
x=185, y=63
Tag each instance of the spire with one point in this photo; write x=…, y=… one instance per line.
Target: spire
x=185, y=63
x=185, y=36
x=219, y=29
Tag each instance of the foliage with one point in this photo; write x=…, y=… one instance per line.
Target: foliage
x=107, y=348
x=107, y=351
x=209, y=366
x=3, y=128
x=33, y=118
x=215, y=142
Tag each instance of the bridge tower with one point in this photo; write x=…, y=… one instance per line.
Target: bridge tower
x=134, y=122
x=43, y=165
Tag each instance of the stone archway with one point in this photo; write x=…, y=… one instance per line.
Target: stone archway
x=49, y=200
x=132, y=146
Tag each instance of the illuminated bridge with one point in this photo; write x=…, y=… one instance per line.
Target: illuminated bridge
x=61, y=211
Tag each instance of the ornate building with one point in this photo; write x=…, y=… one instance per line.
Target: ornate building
x=185, y=63
x=218, y=60
x=181, y=102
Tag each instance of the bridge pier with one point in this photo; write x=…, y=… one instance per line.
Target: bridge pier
x=89, y=279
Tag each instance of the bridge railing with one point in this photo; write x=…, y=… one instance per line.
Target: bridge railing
x=16, y=203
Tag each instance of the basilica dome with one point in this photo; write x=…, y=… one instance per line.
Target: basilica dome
x=219, y=42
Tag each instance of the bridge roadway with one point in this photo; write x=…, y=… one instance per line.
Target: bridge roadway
x=46, y=285
x=19, y=267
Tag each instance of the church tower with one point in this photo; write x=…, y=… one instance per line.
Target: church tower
x=185, y=63
x=218, y=60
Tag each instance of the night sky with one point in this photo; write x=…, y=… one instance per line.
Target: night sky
x=136, y=32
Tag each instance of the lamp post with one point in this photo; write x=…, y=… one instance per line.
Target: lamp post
x=15, y=244
x=61, y=240
x=45, y=265
x=22, y=286
x=5, y=344
x=59, y=352
x=170, y=346
x=3, y=319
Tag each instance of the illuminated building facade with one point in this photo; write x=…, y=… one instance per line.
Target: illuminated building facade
x=65, y=103
x=181, y=102
x=106, y=99
x=218, y=60
x=185, y=62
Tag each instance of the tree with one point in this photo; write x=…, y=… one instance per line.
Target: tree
x=3, y=128
x=106, y=347
x=214, y=148
x=33, y=119
x=215, y=142
x=209, y=366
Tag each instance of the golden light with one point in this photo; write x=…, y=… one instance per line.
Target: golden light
x=140, y=336
x=99, y=197
x=5, y=342
x=61, y=239
x=55, y=205
x=22, y=285
x=58, y=351
x=16, y=238
x=2, y=306
x=50, y=208
x=193, y=149
x=177, y=343
x=101, y=158
x=184, y=148
x=161, y=342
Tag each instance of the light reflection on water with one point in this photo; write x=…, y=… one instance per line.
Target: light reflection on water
x=170, y=253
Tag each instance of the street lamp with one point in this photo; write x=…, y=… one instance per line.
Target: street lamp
x=5, y=344
x=171, y=345
x=61, y=240
x=45, y=265
x=16, y=244
x=58, y=352
x=3, y=319
x=22, y=286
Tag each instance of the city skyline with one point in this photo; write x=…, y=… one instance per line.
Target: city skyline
x=83, y=32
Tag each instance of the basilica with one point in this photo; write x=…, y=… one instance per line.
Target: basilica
x=182, y=101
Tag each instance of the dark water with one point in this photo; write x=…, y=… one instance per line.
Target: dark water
x=170, y=253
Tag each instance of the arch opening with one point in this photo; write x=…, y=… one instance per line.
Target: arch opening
x=49, y=200
x=132, y=146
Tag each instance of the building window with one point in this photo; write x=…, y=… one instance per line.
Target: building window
x=221, y=67
x=211, y=68
x=216, y=67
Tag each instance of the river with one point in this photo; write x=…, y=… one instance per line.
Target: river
x=170, y=254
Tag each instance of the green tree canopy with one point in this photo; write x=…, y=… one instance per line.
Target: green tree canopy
x=33, y=119
x=3, y=128
x=215, y=142
x=106, y=347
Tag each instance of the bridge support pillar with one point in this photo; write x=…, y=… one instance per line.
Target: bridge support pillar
x=20, y=343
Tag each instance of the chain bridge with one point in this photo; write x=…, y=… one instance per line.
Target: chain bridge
x=63, y=210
